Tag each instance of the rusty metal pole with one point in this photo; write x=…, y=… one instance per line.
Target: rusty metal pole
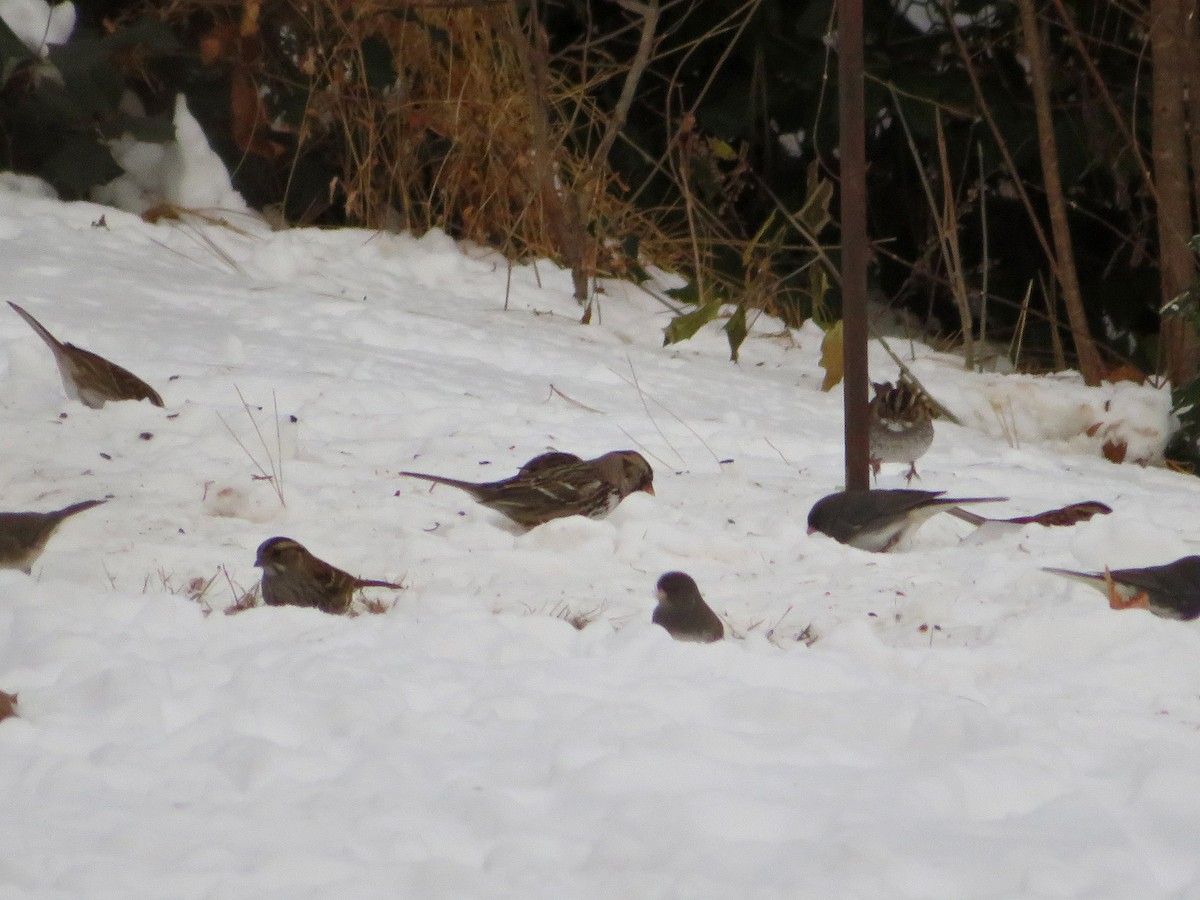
x=853, y=158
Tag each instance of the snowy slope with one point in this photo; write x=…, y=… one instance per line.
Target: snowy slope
x=963, y=725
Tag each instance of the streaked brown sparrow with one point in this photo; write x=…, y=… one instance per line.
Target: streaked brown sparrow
x=682, y=611
x=557, y=484
x=1171, y=591
x=877, y=520
x=294, y=577
x=900, y=426
x=89, y=377
x=24, y=535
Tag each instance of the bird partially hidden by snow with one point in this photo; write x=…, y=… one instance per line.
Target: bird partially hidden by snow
x=1171, y=591
x=877, y=520
x=558, y=484
x=682, y=611
x=24, y=535
x=88, y=377
x=900, y=426
x=294, y=577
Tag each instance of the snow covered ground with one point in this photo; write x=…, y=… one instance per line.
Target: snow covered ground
x=945, y=721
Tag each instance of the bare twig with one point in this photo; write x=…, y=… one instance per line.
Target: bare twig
x=945, y=224
x=275, y=475
x=642, y=396
x=633, y=75
x=573, y=401
x=645, y=396
x=939, y=410
x=1085, y=350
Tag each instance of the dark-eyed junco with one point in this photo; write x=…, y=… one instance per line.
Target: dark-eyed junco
x=557, y=484
x=1171, y=591
x=682, y=611
x=1061, y=517
x=292, y=576
x=877, y=520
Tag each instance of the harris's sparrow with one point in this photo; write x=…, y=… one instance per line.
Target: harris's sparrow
x=558, y=484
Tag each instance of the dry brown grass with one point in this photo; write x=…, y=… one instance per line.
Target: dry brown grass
x=478, y=135
x=456, y=115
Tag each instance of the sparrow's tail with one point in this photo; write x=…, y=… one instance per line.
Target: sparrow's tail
x=363, y=582
x=68, y=511
x=54, y=343
x=469, y=486
x=1091, y=579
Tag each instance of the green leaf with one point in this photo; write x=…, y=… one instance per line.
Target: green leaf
x=152, y=129
x=1185, y=305
x=683, y=327
x=736, y=331
x=12, y=53
x=689, y=293
x=818, y=287
x=814, y=215
x=81, y=163
x=1185, y=405
x=89, y=77
x=379, y=68
x=630, y=252
x=155, y=36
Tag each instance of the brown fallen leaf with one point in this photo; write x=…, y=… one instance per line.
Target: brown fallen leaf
x=832, y=359
x=1114, y=451
x=1126, y=372
x=8, y=705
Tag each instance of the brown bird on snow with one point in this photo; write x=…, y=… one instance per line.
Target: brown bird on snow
x=294, y=577
x=1171, y=591
x=24, y=535
x=89, y=377
x=558, y=484
x=682, y=610
x=900, y=426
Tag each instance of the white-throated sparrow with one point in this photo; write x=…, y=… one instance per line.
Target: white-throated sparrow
x=557, y=484
x=88, y=377
x=294, y=577
x=682, y=611
x=24, y=535
x=1171, y=591
x=877, y=520
x=900, y=426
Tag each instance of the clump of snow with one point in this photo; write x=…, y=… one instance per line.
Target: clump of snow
x=184, y=173
x=37, y=24
x=26, y=186
x=947, y=721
